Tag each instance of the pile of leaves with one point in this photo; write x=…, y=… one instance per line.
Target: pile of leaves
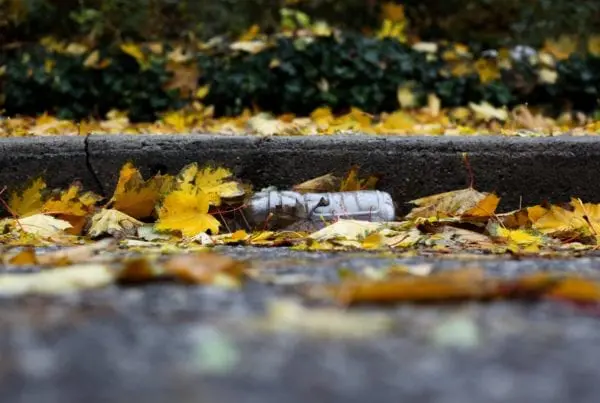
x=165, y=227
x=195, y=206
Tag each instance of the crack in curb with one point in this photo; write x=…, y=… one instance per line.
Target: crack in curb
x=89, y=166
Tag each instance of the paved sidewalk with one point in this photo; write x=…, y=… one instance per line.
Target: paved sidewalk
x=171, y=343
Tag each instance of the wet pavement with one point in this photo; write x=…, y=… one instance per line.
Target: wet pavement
x=165, y=342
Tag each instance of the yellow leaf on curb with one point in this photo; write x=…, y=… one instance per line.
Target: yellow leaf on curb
x=214, y=183
x=72, y=206
x=186, y=211
x=135, y=196
x=30, y=201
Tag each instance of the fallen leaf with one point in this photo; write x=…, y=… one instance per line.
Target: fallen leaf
x=186, y=212
x=457, y=203
x=547, y=76
x=434, y=105
x=25, y=257
x=289, y=316
x=136, y=52
x=184, y=78
x=94, y=61
x=42, y=225
x=266, y=125
x=71, y=205
x=253, y=47
x=347, y=229
x=206, y=268
x=373, y=241
x=485, y=111
x=351, y=182
x=406, y=96
x=459, y=285
x=135, y=196
x=140, y=270
x=215, y=183
x=30, y=201
x=57, y=281
x=240, y=236
x=487, y=70
x=75, y=254
x=561, y=47
x=581, y=220
x=147, y=232
x=320, y=184
x=576, y=289
x=114, y=223
x=518, y=240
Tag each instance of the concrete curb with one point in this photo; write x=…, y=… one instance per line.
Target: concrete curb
x=520, y=170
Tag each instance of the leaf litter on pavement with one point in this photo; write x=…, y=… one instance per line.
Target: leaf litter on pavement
x=165, y=227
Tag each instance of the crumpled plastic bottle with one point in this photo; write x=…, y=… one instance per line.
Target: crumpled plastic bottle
x=281, y=208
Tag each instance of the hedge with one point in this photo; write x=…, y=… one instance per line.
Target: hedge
x=291, y=76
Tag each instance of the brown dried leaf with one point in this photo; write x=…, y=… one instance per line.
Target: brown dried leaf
x=206, y=268
x=465, y=202
x=320, y=184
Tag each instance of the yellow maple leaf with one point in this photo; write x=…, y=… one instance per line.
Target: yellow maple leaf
x=71, y=206
x=580, y=219
x=30, y=201
x=214, y=183
x=135, y=196
x=519, y=240
x=522, y=218
x=186, y=211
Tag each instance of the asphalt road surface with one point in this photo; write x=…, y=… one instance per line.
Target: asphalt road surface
x=164, y=342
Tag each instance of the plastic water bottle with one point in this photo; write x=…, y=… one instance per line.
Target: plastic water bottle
x=281, y=208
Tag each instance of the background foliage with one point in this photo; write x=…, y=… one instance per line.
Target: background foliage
x=80, y=58
x=491, y=22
